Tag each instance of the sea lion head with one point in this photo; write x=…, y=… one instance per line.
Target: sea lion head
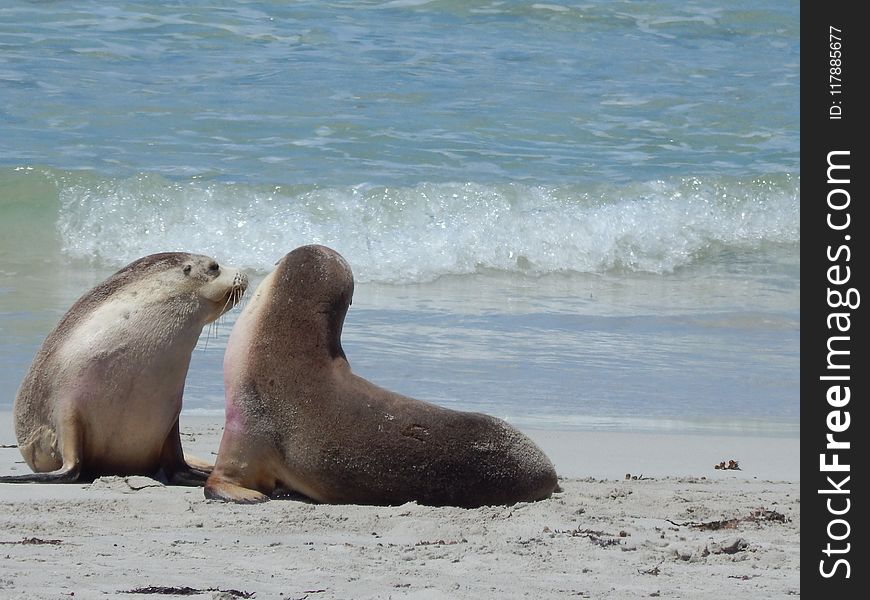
x=198, y=281
x=219, y=287
x=315, y=277
x=301, y=304
x=316, y=281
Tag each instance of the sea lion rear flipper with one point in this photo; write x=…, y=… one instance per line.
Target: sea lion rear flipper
x=188, y=477
x=178, y=469
x=198, y=464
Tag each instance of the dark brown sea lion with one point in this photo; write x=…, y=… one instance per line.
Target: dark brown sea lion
x=298, y=419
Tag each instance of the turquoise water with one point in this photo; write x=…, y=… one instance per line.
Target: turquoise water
x=568, y=215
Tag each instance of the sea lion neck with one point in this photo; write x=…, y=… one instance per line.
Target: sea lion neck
x=317, y=329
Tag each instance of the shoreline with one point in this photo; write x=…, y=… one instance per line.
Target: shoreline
x=605, y=454
x=713, y=534
x=576, y=454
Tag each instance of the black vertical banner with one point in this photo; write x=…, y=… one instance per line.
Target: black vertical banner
x=834, y=265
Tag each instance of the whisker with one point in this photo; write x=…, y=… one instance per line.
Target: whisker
x=233, y=298
x=207, y=336
x=227, y=304
x=242, y=301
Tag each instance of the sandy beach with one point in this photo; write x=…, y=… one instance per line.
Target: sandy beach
x=682, y=529
x=579, y=217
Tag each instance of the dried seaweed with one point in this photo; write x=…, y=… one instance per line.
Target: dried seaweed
x=36, y=542
x=759, y=515
x=599, y=538
x=185, y=591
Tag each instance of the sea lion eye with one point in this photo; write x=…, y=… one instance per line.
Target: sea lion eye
x=214, y=267
x=187, y=269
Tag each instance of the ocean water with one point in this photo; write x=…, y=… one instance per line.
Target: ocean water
x=569, y=215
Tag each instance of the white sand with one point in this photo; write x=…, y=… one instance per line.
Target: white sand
x=599, y=538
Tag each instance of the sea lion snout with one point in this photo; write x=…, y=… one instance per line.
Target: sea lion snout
x=240, y=281
x=238, y=288
x=225, y=289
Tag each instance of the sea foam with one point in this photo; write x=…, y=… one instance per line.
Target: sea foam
x=415, y=234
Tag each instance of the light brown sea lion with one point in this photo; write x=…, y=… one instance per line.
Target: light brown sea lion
x=103, y=394
x=298, y=419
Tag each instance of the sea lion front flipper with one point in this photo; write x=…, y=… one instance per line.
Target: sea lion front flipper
x=63, y=475
x=66, y=474
x=175, y=465
x=221, y=489
x=243, y=470
x=70, y=443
